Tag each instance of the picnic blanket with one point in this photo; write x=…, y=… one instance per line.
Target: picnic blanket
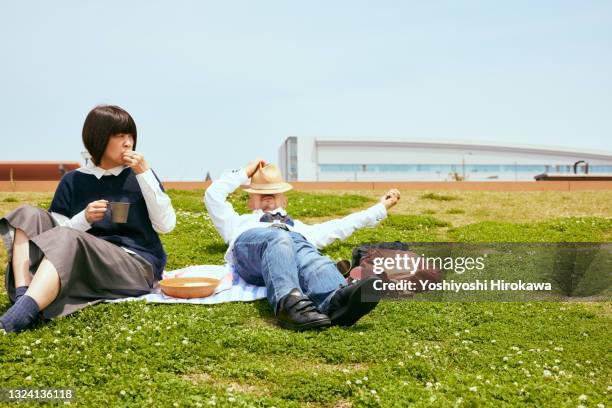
x=231, y=289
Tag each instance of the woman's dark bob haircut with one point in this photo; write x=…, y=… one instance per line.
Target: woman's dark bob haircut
x=100, y=124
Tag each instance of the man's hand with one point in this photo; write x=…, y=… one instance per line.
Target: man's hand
x=136, y=161
x=391, y=198
x=253, y=166
x=95, y=211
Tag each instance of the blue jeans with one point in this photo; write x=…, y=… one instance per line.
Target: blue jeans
x=281, y=261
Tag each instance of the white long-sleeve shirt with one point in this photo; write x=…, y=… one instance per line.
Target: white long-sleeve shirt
x=230, y=224
x=159, y=206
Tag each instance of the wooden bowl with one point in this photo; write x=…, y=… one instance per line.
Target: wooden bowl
x=187, y=288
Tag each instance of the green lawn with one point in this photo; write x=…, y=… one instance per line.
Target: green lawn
x=402, y=354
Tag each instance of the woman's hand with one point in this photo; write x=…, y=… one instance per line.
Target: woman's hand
x=135, y=160
x=253, y=166
x=95, y=211
x=391, y=198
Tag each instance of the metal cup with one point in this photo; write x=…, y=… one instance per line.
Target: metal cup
x=119, y=212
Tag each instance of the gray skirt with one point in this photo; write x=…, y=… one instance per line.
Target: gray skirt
x=90, y=269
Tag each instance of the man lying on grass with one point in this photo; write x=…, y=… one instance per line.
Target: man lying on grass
x=269, y=248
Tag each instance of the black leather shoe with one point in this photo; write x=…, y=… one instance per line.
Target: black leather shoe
x=350, y=303
x=297, y=312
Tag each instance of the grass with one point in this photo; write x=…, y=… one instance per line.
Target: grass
x=403, y=353
x=438, y=197
x=570, y=229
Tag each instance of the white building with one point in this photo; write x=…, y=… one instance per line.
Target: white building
x=344, y=159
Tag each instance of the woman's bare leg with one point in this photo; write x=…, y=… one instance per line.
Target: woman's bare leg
x=21, y=259
x=43, y=290
x=45, y=285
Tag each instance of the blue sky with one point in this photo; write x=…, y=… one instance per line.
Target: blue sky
x=212, y=84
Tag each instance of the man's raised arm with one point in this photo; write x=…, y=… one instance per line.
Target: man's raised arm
x=327, y=232
x=220, y=210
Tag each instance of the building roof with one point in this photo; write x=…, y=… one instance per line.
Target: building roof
x=463, y=144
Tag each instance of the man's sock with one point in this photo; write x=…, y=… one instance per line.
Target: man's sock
x=22, y=314
x=20, y=291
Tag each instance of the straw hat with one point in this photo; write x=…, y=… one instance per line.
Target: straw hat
x=267, y=180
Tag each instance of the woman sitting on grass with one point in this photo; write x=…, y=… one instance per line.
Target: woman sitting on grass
x=74, y=255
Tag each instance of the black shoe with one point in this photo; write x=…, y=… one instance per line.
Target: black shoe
x=297, y=312
x=350, y=303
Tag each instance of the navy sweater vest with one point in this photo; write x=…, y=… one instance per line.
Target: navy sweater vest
x=76, y=190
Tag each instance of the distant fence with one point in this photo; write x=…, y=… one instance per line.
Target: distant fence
x=41, y=186
x=35, y=170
